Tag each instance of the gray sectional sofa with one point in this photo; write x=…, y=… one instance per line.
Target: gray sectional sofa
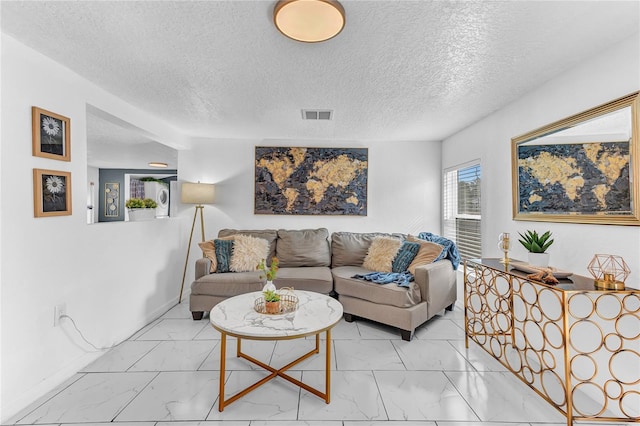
x=309, y=262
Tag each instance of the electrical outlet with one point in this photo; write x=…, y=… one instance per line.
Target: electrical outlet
x=58, y=311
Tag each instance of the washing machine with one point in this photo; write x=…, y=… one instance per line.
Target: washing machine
x=160, y=193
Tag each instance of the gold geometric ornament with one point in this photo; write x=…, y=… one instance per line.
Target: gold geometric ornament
x=609, y=271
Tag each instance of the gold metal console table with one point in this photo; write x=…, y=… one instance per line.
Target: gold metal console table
x=576, y=346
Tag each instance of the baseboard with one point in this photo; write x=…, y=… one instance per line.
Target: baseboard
x=17, y=408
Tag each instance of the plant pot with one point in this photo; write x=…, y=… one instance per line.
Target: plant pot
x=136, y=215
x=272, y=307
x=539, y=259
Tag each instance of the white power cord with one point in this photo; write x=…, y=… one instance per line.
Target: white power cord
x=84, y=338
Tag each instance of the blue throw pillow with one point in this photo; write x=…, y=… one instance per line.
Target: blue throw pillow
x=224, y=249
x=405, y=256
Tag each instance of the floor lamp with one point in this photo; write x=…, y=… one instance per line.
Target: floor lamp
x=198, y=194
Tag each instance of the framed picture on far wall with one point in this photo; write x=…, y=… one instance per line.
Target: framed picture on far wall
x=51, y=193
x=51, y=135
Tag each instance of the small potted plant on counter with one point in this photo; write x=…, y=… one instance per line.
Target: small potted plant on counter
x=140, y=209
x=271, y=302
x=537, y=246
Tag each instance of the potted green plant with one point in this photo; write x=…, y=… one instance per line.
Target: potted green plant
x=271, y=302
x=140, y=209
x=537, y=245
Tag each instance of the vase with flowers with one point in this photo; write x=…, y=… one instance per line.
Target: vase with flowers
x=269, y=273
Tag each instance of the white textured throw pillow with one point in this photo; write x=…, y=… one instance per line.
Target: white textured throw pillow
x=381, y=253
x=247, y=252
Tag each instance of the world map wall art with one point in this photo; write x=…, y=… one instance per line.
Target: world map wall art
x=311, y=181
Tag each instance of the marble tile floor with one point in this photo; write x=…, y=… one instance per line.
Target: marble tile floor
x=167, y=374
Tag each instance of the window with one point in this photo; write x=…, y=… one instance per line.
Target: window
x=461, y=209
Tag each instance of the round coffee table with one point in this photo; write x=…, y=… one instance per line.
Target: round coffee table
x=237, y=317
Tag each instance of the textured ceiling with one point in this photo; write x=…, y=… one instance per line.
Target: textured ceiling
x=400, y=70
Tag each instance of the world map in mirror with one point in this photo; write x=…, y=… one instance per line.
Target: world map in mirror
x=584, y=178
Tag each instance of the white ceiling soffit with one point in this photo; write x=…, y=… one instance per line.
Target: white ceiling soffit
x=113, y=144
x=400, y=70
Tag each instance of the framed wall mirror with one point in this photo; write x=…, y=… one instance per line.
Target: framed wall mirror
x=582, y=169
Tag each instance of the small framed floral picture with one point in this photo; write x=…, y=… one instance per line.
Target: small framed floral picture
x=51, y=193
x=51, y=135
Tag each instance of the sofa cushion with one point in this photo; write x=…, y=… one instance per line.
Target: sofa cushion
x=227, y=285
x=427, y=253
x=406, y=254
x=268, y=234
x=224, y=249
x=381, y=253
x=247, y=252
x=315, y=278
x=384, y=294
x=350, y=248
x=305, y=247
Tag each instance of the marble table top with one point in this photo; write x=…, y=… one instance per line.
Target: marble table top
x=237, y=317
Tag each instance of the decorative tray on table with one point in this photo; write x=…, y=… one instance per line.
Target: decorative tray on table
x=288, y=303
x=532, y=269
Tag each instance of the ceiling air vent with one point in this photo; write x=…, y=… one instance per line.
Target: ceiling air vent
x=317, y=114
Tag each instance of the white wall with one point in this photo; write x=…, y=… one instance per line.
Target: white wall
x=612, y=74
x=114, y=277
x=403, y=186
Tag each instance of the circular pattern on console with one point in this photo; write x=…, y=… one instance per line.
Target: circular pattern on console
x=514, y=360
x=518, y=339
x=592, y=406
x=583, y=368
x=552, y=303
x=528, y=293
x=625, y=325
x=608, y=306
x=581, y=306
x=586, y=328
x=619, y=364
x=502, y=322
x=612, y=342
x=553, y=387
x=631, y=303
x=474, y=303
x=501, y=285
x=630, y=399
x=553, y=334
x=519, y=308
x=496, y=347
x=613, y=388
x=548, y=359
x=533, y=360
x=533, y=334
x=536, y=313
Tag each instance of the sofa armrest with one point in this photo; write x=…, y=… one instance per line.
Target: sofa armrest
x=437, y=282
x=203, y=266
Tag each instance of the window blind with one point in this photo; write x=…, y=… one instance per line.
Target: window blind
x=462, y=219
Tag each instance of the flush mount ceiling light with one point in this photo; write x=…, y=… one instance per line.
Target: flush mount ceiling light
x=309, y=21
x=158, y=164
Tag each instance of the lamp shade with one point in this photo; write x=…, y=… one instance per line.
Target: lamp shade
x=197, y=193
x=309, y=21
